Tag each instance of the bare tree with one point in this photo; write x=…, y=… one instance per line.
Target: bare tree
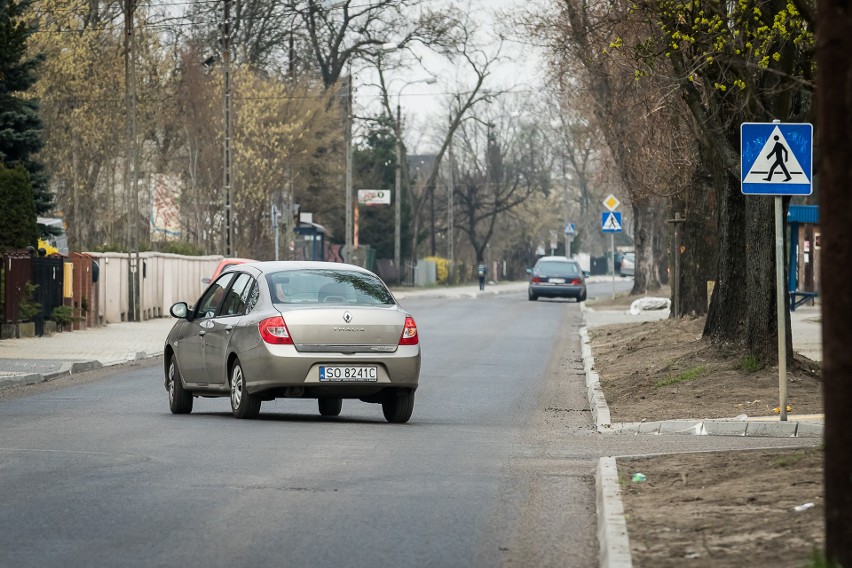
x=475, y=65
x=500, y=169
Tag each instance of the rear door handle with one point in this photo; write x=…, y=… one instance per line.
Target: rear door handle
x=229, y=328
x=202, y=332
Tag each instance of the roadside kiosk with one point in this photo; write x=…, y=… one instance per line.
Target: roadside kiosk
x=803, y=263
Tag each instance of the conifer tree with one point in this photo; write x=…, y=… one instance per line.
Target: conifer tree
x=20, y=124
x=18, y=228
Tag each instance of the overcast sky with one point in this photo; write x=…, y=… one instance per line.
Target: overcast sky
x=425, y=105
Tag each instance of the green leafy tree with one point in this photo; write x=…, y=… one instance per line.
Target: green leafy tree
x=17, y=209
x=20, y=124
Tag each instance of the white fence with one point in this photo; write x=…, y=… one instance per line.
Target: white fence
x=165, y=279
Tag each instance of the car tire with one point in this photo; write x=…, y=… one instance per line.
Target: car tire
x=581, y=297
x=398, y=408
x=180, y=401
x=532, y=296
x=243, y=403
x=330, y=406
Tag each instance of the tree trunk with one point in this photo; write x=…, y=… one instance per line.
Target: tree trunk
x=834, y=116
x=725, y=318
x=762, y=338
x=699, y=257
x=645, y=277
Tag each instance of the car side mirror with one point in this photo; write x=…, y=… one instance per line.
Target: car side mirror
x=179, y=310
x=529, y=270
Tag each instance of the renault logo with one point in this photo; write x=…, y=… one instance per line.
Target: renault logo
x=347, y=317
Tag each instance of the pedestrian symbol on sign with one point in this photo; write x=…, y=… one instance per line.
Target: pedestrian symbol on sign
x=611, y=222
x=776, y=158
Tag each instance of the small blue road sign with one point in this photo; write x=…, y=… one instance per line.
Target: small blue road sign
x=570, y=229
x=611, y=221
x=776, y=158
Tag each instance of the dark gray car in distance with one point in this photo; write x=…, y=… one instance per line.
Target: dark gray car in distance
x=556, y=277
x=322, y=330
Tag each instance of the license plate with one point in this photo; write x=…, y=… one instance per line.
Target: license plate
x=557, y=281
x=341, y=373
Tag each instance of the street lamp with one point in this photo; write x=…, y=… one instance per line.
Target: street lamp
x=397, y=200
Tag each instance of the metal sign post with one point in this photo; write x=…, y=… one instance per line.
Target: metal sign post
x=780, y=306
x=612, y=255
x=776, y=159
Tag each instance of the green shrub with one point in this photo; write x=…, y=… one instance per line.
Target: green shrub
x=27, y=309
x=63, y=315
x=751, y=363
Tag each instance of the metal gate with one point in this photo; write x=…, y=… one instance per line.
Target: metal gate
x=15, y=272
x=48, y=276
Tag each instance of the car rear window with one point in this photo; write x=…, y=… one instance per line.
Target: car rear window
x=327, y=287
x=558, y=268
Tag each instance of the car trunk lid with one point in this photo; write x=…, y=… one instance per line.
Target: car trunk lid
x=345, y=329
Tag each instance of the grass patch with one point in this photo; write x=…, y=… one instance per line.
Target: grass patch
x=751, y=363
x=818, y=560
x=668, y=365
x=685, y=376
x=793, y=458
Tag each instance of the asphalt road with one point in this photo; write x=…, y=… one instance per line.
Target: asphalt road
x=495, y=468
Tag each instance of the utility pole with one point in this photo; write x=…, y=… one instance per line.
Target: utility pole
x=350, y=222
x=226, y=57
x=131, y=164
x=397, y=197
x=451, y=189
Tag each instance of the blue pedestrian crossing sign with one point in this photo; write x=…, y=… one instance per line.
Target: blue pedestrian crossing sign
x=611, y=221
x=776, y=158
x=570, y=229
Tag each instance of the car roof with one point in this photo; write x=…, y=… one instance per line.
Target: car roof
x=266, y=267
x=556, y=259
x=236, y=260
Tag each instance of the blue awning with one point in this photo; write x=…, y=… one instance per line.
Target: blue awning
x=803, y=214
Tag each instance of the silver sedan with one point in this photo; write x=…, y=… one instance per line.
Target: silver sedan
x=265, y=330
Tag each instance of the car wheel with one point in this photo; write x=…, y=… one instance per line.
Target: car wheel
x=397, y=409
x=243, y=403
x=180, y=401
x=532, y=297
x=581, y=297
x=330, y=406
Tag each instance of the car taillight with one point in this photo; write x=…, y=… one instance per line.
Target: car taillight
x=273, y=330
x=409, y=333
x=536, y=280
x=576, y=281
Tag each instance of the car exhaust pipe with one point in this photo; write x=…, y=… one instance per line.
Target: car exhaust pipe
x=294, y=392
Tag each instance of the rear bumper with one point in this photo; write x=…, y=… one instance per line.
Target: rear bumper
x=557, y=290
x=269, y=368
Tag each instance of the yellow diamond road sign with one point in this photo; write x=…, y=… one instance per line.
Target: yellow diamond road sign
x=611, y=202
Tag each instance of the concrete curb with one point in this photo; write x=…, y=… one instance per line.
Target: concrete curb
x=723, y=427
x=595, y=395
x=612, y=526
x=703, y=427
x=8, y=380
